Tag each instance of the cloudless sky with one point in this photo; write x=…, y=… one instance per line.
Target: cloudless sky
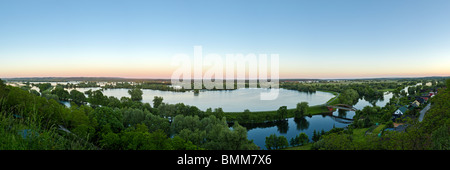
x=314, y=38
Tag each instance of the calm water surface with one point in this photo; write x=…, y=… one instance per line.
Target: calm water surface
x=229, y=100
x=241, y=99
x=293, y=127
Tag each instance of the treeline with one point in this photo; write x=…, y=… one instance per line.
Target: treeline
x=369, y=91
x=30, y=121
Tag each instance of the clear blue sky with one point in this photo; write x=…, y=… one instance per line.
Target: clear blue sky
x=315, y=38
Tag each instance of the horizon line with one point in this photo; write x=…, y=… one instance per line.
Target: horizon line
x=140, y=78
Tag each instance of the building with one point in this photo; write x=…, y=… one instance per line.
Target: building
x=400, y=111
x=415, y=103
x=420, y=100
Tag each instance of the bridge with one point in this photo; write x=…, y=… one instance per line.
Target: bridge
x=343, y=107
x=341, y=119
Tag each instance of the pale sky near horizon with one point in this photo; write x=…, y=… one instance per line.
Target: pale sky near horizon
x=137, y=38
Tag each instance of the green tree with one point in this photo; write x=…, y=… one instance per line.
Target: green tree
x=96, y=98
x=282, y=113
x=282, y=142
x=136, y=94
x=245, y=116
x=179, y=143
x=61, y=93
x=447, y=83
x=315, y=136
x=303, y=138
x=157, y=101
x=276, y=142
x=77, y=97
x=271, y=142
x=349, y=96
x=301, y=109
x=44, y=86
x=218, y=112
x=107, y=116
x=441, y=138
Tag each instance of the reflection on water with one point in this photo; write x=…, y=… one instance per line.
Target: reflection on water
x=238, y=100
x=229, y=100
x=293, y=127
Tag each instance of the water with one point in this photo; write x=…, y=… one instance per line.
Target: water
x=229, y=100
x=240, y=99
x=307, y=125
x=293, y=127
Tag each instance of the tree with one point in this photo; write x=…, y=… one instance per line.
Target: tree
x=218, y=112
x=136, y=94
x=276, y=142
x=61, y=93
x=157, y=101
x=447, y=83
x=349, y=97
x=316, y=136
x=44, y=86
x=303, y=139
x=245, y=116
x=107, y=116
x=441, y=138
x=282, y=112
x=271, y=142
x=77, y=96
x=301, y=110
x=96, y=98
x=282, y=142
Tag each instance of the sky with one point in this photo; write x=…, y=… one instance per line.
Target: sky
x=138, y=39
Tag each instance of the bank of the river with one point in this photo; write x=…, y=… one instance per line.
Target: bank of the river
x=270, y=116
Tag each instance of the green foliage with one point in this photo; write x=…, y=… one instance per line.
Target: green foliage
x=349, y=97
x=61, y=93
x=301, y=109
x=282, y=113
x=96, y=98
x=276, y=142
x=334, y=141
x=441, y=138
x=157, y=101
x=212, y=133
x=299, y=140
x=106, y=116
x=136, y=94
x=447, y=83
x=77, y=97
x=44, y=86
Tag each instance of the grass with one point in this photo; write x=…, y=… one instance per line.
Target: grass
x=29, y=133
x=359, y=134
x=386, y=90
x=378, y=129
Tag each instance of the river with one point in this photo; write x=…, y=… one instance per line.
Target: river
x=248, y=98
x=293, y=126
x=229, y=100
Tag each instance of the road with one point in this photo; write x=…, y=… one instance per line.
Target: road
x=423, y=111
x=332, y=100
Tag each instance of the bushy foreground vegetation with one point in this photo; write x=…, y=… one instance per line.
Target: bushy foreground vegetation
x=33, y=120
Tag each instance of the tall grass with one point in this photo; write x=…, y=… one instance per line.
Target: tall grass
x=31, y=133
